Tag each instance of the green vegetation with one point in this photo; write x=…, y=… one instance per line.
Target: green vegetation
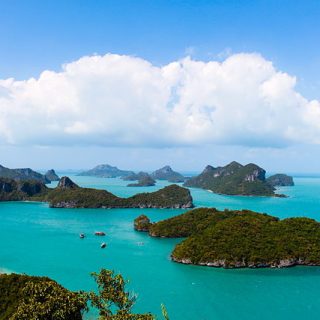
x=188, y=223
x=12, y=190
x=112, y=301
x=142, y=223
x=241, y=239
x=39, y=298
x=69, y=195
x=31, y=298
x=280, y=180
x=233, y=179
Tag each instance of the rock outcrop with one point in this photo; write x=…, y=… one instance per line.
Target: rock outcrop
x=142, y=223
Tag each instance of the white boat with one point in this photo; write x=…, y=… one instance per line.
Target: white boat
x=103, y=245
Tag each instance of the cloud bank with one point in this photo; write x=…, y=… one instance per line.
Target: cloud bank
x=117, y=100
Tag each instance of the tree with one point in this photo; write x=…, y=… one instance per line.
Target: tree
x=112, y=301
x=47, y=300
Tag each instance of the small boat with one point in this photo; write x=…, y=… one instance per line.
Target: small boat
x=99, y=233
x=103, y=245
x=82, y=235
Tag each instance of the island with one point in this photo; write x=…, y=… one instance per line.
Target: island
x=106, y=171
x=21, y=174
x=280, y=180
x=142, y=223
x=51, y=175
x=234, y=179
x=166, y=173
x=239, y=238
x=135, y=176
x=145, y=181
x=69, y=195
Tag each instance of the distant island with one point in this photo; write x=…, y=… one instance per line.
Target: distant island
x=280, y=180
x=235, y=179
x=51, y=175
x=27, y=174
x=106, y=171
x=69, y=195
x=135, y=176
x=145, y=181
x=238, y=239
x=166, y=173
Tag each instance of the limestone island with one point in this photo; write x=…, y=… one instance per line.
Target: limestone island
x=166, y=173
x=106, y=171
x=69, y=195
x=234, y=179
x=280, y=180
x=51, y=175
x=27, y=174
x=238, y=239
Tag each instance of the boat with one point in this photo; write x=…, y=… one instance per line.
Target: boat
x=99, y=233
x=82, y=235
x=103, y=245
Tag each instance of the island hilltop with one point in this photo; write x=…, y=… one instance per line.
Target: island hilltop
x=234, y=179
x=238, y=239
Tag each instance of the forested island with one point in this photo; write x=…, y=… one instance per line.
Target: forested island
x=236, y=179
x=69, y=195
x=238, y=239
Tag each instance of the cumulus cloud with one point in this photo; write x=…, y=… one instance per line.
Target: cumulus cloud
x=117, y=100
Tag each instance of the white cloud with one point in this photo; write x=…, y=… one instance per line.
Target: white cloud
x=115, y=100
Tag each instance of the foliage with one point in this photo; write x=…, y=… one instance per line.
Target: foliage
x=252, y=239
x=184, y=225
x=33, y=298
x=142, y=223
x=169, y=197
x=11, y=190
x=112, y=301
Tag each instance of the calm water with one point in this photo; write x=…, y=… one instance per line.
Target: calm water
x=35, y=239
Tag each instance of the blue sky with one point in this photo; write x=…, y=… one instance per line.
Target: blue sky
x=43, y=35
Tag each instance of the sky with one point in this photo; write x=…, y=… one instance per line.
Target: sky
x=141, y=84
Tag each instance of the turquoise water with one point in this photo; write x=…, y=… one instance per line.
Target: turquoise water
x=42, y=241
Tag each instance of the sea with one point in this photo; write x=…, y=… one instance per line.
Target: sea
x=38, y=240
